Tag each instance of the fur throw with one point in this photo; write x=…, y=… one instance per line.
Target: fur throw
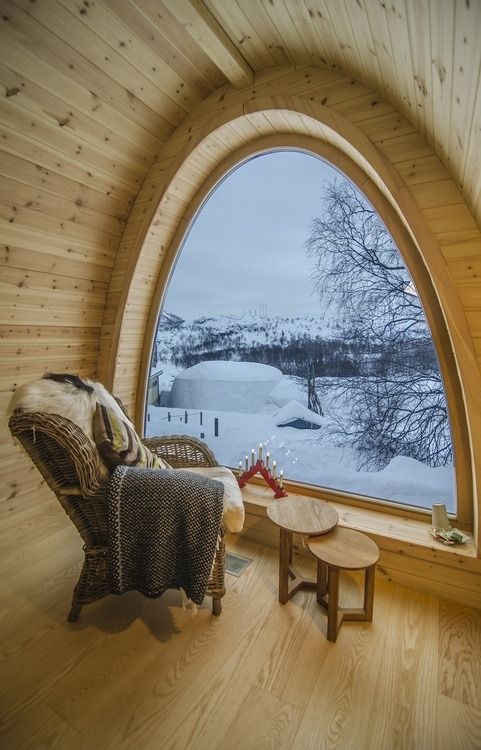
x=68, y=395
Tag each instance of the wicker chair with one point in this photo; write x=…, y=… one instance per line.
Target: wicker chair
x=71, y=466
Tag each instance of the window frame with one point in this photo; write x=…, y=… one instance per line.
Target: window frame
x=413, y=259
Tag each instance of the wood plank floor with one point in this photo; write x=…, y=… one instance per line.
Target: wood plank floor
x=137, y=673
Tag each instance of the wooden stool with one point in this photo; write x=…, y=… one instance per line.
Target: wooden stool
x=299, y=516
x=343, y=549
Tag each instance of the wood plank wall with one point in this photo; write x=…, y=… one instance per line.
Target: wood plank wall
x=88, y=96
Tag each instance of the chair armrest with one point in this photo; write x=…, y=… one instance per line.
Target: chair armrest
x=181, y=451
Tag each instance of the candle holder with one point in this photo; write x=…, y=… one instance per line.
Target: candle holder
x=277, y=485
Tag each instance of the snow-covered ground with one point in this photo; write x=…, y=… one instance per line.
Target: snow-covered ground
x=309, y=456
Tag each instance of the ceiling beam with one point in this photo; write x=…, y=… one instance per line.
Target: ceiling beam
x=201, y=25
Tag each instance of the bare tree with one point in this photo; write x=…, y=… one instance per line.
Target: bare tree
x=396, y=404
x=313, y=400
x=360, y=269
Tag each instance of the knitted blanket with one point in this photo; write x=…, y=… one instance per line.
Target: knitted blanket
x=162, y=531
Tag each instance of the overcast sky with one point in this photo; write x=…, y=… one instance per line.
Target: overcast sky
x=246, y=247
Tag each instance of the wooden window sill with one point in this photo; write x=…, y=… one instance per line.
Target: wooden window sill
x=398, y=533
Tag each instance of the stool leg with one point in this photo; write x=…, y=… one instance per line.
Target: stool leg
x=332, y=603
x=369, y=578
x=285, y=548
x=321, y=587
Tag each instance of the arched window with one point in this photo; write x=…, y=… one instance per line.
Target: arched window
x=291, y=321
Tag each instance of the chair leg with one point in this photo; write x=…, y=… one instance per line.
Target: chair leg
x=74, y=613
x=216, y=605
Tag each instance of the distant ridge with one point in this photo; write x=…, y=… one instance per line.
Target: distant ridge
x=169, y=320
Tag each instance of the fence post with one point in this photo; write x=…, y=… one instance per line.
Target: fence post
x=216, y=427
x=186, y=416
x=168, y=416
x=201, y=418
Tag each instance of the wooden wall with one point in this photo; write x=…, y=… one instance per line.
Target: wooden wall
x=88, y=97
x=113, y=120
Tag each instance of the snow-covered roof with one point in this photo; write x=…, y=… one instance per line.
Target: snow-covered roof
x=294, y=410
x=230, y=371
x=227, y=386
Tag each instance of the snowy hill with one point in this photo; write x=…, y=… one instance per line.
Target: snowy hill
x=236, y=334
x=294, y=345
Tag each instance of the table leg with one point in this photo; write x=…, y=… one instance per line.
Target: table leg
x=285, y=548
x=332, y=603
x=321, y=587
x=369, y=578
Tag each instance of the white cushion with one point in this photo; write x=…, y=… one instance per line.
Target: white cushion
x=234, y=513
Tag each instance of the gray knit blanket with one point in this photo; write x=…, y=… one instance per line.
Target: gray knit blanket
x=163, y=530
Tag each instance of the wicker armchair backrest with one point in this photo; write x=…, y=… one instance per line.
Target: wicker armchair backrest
x=181, y=451
x=70, y=464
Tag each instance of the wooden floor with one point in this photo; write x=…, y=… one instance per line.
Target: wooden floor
x=138, y=673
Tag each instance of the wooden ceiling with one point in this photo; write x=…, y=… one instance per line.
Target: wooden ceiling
x=107, y=81
x=423, y=56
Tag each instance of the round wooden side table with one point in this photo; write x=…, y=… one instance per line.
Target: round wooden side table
x=343, y=549
x=298, y=516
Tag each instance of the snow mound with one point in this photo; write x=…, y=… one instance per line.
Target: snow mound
x=294, y=411
x=405, y=465
x=286, y=390
x=225, y=386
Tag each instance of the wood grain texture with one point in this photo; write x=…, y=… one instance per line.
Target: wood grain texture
x=263, y=720
x=458, y=725
x=459, y=673
x=204, y=29
x=99, y=99
x=408, y=718
x=345, y=548
x=135, y=672
x=303, y=517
